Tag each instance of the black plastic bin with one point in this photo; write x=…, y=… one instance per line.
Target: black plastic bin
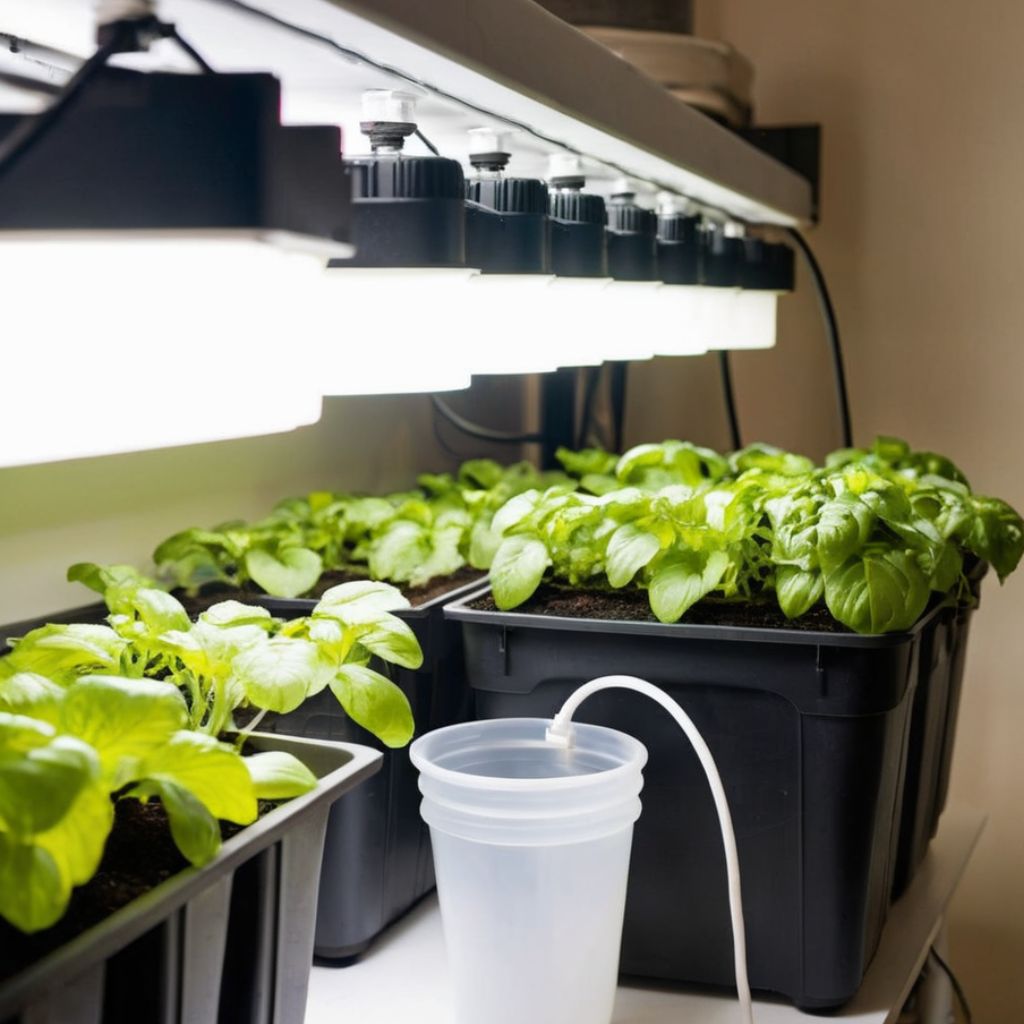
x=228, y=943
x=810, y=734
x=377, y=859
x=933, y=721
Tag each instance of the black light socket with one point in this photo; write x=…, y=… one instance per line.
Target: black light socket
x=679, y=244
x=507, y=226
x=578, y=245
x=631, y=235
x=767, y=266
x=407, y=212
x=781, y=267
x=721, y=257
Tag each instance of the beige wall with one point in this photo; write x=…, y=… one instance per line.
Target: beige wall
x=118, y=507
x=921, y=235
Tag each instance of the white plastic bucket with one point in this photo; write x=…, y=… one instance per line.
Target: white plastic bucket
x=531, y=850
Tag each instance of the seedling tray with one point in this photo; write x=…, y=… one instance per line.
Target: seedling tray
x=810, y=733
x=228, y=943
x=377, y=859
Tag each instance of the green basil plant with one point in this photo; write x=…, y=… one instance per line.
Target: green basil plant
x=874, y=533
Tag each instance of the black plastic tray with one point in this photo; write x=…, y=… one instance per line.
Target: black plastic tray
x=228, y=943
x=377, y=859
x=810, y=734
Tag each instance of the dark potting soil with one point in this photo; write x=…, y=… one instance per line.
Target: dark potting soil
x=139, y=855
x=436, y=587
x=633, y=606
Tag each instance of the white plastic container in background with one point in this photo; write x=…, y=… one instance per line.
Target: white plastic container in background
x=531, y=851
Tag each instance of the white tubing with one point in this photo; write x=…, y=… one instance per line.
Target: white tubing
x=561, y=733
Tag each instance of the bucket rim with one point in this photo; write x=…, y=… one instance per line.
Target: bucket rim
x=493, y=783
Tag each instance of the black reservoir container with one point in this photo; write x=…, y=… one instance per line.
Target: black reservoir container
x=810, y=734
x=933, y=731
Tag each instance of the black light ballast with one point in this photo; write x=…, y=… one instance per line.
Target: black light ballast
x=172, y=152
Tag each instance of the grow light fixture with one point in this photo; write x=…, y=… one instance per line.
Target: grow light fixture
x=133, y=233
x=687, y=307
x=508, y=236
x=760, y=272
x=394, y=299
x=630, y=306
x=579, y=259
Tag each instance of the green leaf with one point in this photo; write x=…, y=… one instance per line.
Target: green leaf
x=193, y=828
x=369, y=594
x=398, y=552
x=879, y=592
x=214, y=773
x=122, y=718
x=445, y=556
x=280, y=672
x=277, y=775
x=288, y=573
x=996, y=535
x=587, y=461
x=518, y=567
x=38, y=786
x=375, y=703
x=380, y=633
x=629, y=550
x=768, y=459
x=77, y=841
x=27, y=693
x=483, y=543
x=797, y=590
x=102, y=577
x=61, y=652
x=515, y=510
x=34, y=892
x=890, y=449
x=484, y=473
x=682, y=580
x=158, y=610
x=19, y=733
x=844, y=525
x=234, y=613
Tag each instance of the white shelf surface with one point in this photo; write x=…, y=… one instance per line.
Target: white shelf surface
x=404, y=977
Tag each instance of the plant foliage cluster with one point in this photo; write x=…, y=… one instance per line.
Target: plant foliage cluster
x=137, y=709
x=874, y=533
x=409, y=537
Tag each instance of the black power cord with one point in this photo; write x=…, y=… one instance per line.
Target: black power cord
x=832, y=333
x=961, y=998
x=426, y=142
x=30, y=130
x=730, y=401
x=481, y=433
x=592, y=380
x=125, y=36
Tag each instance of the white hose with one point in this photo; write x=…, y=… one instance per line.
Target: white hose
x=560, y=732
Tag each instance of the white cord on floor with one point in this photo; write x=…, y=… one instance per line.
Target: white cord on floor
x=561, y=733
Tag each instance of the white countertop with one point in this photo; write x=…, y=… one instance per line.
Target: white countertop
x=404, y=975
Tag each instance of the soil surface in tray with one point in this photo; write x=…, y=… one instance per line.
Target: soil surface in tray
x=632, y=606
x=436, y=587
x=139, y=855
